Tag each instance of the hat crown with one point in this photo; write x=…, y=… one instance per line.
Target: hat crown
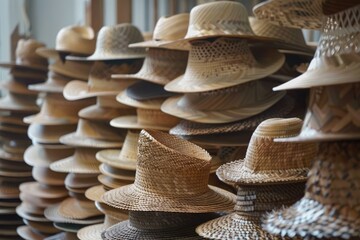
x=129, y=149
x=26, y=53
x=171, y=28
x=155, y=117
x=97, y=130
x=76, y=39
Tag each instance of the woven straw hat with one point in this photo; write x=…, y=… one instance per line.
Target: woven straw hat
x=15, y=86
x=12, y=128
x=124, y=158
x=45, y=175
x=336, y=60
x=154, y=104
x=47, y=228
x=112, y=43
x=28, y=75
x=19, y=103
x=94, y=135
x=27, y=232
x=224, y=62
x=100, y=82
x=42, y=190
x=94, y=193
x=56, y=110
x=54, y=84
x=62, y=236
x=26, y=56
x=40, y=156
x=75, y=209
x=81, y=180
x=160, y=66
x=76, y=40
x=72, y=69
x=167, y=29
x=269, y=162
x=112, y=183
x=326, y=211
x=48, y=134
x=117, y=173
x=12, y=118
x=224, y=105
x=143, y=90
x=187, y=174
x=83, y=161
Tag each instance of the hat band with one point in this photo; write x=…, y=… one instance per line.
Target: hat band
x=155, y=117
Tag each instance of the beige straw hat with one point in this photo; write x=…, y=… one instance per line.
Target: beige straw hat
x=74, y=40
x=13, y=128
x=63, y=236
x=167, y=29
x=69, y=227
x=117, y=173
x=112, y=43
x=143, y=90
x=76, y=209
x=15, y=86
x=46, y=176
x=41, y=156
x=19, y=103
x=112, y=183
x=330, y=207
x=8, y=189
x=42, y=190
x=26, y=56
x=224, y=62
x=72, y=69
x=28, y=75
x=81, y=180
x=94, y=135
x=184, y=167
x=28, y=233
x=95, y=193
x=48, y=134
x=154, y=104
x=55, y=83
x=268, y=162
x=47, y=228
x=224, y=105
x=12, y=118
x=38, y=204
x=160, y=66
x=83, y=161
x=336, y=60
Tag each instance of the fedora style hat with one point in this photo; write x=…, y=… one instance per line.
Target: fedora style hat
x=74, y=40
x=55, y=83
x=160, y=66
x=15, y=86
x=72, y=69
x=167, y=29
x=100, y=82
x=26, y=56
x=19, y=103
x=224, y=62
x=112, y=43
x=186, y=175
x=269, y=162
x=45, y=175
x=56, y=110
x=48, y=134
x=224, y=105
x=326, y=210
x=94, y=135
x=154, y=103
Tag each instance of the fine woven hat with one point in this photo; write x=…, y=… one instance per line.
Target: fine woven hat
x=326, y=211
x=143, y=90
x=76, y=40
x=48, y=134
x=72, y=69
x=94, y=135
x=268, y=162
x=56, y=110
x=15, y=86
x=124, y=98
x=55, y=83
x=26, y=56
x=160, y=66
x=224, y=62
x=224, y=105
x=181, y=186
x=167, y=29
x=112, y=43
x=336, y=59
x=75, y=209
x=19, y=103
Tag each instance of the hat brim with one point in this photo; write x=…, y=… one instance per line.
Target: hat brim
x=16, y=120
x=98, y=113
x=92, y=232
x=6, y=104
x=20, y=66
x=44, y=175
x=72, y=208
x=33, y=157
x=73, y=139
x=120, y=174
x=63, y=236
x=35, y=189
x=71, y=165
x=22, y=213
x=17, y=87
x=154, y=104
x=77, y=89
x=112, y=183
x=49, y=120
x=9, y=191
x=94, y=193
x=130, y=122
x=26, y=232
x=105, y=58
x=69, y=73
x=13, y=128
x=143, y=90
x=48, y=136
x=46, y=87
x=111, y=157
x=153, y=44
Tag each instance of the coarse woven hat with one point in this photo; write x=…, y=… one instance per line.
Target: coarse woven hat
x=78, y=209
x=42, y=190
x=337, y=58
x=206, y=22
x=72, y=69
x=81, y=180
x=111, y=183
x=55, y=83
x=252, y=203
x=268, y=162
x=15, y=86
x=143, y=90
x=105, y=109
x=146, y=119
x=45, y=176
x=74, y=40
x=224, y=105
x=63, y=236
x=48, y=134
x=27, y=232
x=125, y=98
x=26, y=56
x=100, y=82
x=19, y=103
x=56, y=110
x=224, y=62
x=94, y=135
x=117, y=173
x=126, y=157
x=182, y=185
x=112, y=43
x=306, y=14
x=326, y=210
x=332, y=114
x=42, y=156
x=167, y=29
x=83, y=161
x=160, y=66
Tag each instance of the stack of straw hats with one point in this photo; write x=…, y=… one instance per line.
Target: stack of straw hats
x=330, y=207
x=17, y=102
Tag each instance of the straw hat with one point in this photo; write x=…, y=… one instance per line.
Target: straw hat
x=45, y=175
x=8, y=189
x=48, y=134
x=143, y=90
x=20, y=210
x=62, y=236
x=72, y=69
x=83, y=161
x=224, y=62
x=47, y=228
x=94, y=135
x=160, y=66
x=76, y=40
x=28, y=75
x=167, y=29
x=112, y=183
x=42, y=191
x=224, y=105
x=326, y=211
x=154, y=104
x=12, y=118
x=40, y=156
x=186, y=174
x=16, y=86
x=94, y=193
x=117, y=173
x=69, y=227
x=81, y=180
x=12, y=128
x=19, y=103
x=27, y=232
x=100, y=82
x=125, y=158
x=54, y=84
x=269, y=162
x=76, y=209
x=26, y=56
x=112, y=43
x=56, y=110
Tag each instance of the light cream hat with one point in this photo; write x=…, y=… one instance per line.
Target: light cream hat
x=72, y=69
x=224, y=62
x=112, y=43
x=41, y=156
x=55, y=83
x=19, y=103
x=48, y=134
x=224, y=105
x=46, y=176
x=15, y=86
x=74, y=40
